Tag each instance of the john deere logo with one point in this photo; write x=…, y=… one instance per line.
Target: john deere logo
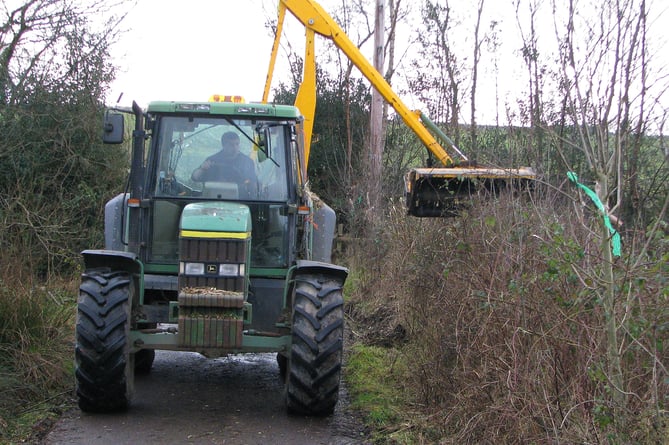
x=211, y=268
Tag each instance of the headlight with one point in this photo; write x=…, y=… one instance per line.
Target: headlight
x=231, y=270
x=192, y=268
x=221, y=270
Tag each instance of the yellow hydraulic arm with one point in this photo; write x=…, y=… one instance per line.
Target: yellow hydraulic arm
x=317, y=21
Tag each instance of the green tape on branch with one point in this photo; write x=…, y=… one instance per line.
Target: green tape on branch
x=615, y=236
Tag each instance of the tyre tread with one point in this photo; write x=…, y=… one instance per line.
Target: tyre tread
x=101, y=353
x=314, y=369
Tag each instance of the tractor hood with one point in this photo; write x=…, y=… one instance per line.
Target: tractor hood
x=216, y=217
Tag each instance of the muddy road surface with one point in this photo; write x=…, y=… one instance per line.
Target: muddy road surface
x=189, y=399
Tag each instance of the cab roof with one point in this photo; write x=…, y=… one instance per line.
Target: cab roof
x=225, y=108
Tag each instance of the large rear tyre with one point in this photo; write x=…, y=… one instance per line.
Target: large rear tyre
x=314, y=362
x=104, y=368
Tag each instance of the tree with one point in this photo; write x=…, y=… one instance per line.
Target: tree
x=475, y=70
x=604, y=72
x=438, y=81
x=54, y=43
x=374, y=173
x=54, y=71
x=376, y=127
x=534, y=111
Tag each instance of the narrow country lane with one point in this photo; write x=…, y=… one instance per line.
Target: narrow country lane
x=189, y=399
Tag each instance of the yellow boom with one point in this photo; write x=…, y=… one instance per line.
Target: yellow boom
x=429, y=191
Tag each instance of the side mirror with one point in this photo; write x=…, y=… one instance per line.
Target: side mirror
x=113, y=129
x=264, y=142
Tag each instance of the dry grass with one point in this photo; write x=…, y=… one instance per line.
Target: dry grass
x=498, y=315
x=36, y=326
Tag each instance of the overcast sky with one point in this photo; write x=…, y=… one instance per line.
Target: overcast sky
x=189, y=50
x=176, y=50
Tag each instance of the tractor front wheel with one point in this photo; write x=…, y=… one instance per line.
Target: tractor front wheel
x=315, y=359
x=104, y=368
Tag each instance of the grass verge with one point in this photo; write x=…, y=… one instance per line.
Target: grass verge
x=35, y=358
x=491, y=325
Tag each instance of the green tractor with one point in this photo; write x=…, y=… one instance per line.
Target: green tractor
x=222, y=264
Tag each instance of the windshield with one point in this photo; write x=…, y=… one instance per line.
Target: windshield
x=221, y=158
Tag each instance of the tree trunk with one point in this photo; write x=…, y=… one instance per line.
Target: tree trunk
x=376, y=134
x=475, y=66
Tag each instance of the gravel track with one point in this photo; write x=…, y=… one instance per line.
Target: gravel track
x=189, y=399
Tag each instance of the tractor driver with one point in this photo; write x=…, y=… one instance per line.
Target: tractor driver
x=229, y=165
